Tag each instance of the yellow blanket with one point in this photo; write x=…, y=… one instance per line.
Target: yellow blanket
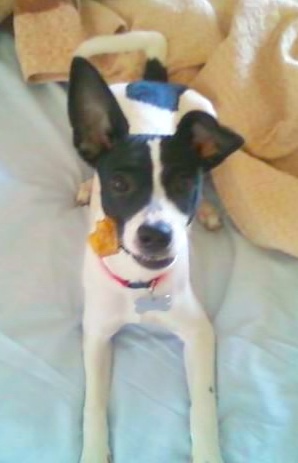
x=242, y=54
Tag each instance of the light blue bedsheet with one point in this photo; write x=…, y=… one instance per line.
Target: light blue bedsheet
x=251, y=294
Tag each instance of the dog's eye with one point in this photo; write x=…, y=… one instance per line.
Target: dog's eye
x=182, y=183
x=121, y=184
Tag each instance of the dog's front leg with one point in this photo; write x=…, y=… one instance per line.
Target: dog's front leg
x=97, y=361
x=190, y=323
x=199, y=356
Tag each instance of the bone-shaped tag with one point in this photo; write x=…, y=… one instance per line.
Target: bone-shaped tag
x=152, y=302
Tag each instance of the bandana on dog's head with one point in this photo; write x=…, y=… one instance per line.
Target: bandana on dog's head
x=156, y=108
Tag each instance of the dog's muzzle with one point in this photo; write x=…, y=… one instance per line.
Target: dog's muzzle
x=154, y=243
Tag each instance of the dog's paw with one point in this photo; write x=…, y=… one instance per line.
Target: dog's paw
x=208, y=216
x=84, y=193
x=91, y=459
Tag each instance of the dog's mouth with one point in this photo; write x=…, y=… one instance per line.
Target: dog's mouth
x=151, y=262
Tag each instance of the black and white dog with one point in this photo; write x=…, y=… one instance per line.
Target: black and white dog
x=149, y=143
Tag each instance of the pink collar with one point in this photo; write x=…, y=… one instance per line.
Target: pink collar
x=151, y=284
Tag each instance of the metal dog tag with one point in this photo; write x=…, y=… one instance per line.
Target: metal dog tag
x=152, y=302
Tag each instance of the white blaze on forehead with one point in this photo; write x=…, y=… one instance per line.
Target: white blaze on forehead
x=158, y=190
x=160, y=208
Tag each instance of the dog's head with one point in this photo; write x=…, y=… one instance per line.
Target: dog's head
x=150, y=181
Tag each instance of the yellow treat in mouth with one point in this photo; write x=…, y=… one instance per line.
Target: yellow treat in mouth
x=104, y=240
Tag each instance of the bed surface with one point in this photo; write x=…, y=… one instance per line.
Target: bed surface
x=250, y=294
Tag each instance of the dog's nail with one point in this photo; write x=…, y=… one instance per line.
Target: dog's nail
x=82, y=199
x=209, y=217
x=213, y=222
x=84, y=194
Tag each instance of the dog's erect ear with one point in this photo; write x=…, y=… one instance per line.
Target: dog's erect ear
x=212, y=141
x=94, y=113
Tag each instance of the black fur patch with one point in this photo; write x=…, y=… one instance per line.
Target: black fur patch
x=181, y=175
x=130, y=157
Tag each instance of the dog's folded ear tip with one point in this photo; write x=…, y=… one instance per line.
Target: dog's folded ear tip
x=238, y=139
x=241, y=141
x=235, y=142
x=212, y=141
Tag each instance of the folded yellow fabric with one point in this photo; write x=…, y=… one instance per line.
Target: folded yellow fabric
x=253, y=80
x=49, y=31
x=190, y=27
x=242, y=55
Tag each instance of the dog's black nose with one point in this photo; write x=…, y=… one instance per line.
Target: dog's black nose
x=155, y=237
